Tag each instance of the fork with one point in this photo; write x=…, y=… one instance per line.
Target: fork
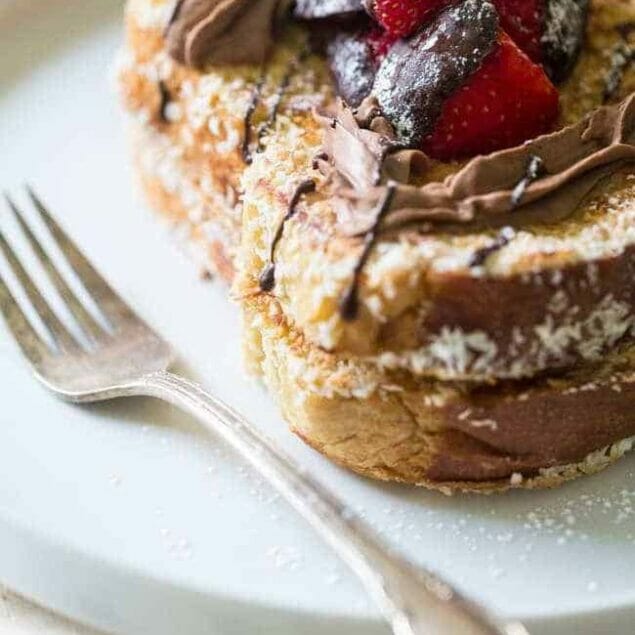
x=121, y=356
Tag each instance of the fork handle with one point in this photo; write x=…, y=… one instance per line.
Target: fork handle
x=411, y=600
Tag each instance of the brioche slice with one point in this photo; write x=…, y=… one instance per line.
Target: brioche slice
x=468, y=354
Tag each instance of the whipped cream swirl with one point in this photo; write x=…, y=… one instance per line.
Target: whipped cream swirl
x=363, y=158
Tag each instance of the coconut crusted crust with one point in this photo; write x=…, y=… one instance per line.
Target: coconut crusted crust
x=189, y=128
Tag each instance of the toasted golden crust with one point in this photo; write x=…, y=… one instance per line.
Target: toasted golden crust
x=387, y=394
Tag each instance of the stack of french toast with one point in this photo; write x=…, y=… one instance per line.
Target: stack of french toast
x=426, y=210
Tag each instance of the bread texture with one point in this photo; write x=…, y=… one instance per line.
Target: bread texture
x=517, y=373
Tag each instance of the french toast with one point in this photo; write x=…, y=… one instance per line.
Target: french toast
x=412, y=321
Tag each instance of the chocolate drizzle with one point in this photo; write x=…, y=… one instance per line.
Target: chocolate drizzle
x=268, y=276
x=256, y=97
x=281, y=91
x=164, y=101
x=535, y=170
x=256, y=94
x=318, y=159
x=503, y=239
x=349, y=305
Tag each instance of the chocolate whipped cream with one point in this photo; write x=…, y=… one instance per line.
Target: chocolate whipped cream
x=363, y=156
x=222, y=31
x=491, y=433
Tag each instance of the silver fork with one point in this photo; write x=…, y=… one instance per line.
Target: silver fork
x=128, y=358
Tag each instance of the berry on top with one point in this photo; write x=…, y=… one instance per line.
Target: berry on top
x=460, y=86
x=549, y=31
x=403, y=17
x=524, y=22
x=456, y=78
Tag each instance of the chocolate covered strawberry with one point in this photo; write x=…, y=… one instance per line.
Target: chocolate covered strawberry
x=507, y=101
x=352, y=58
x=461, y=87
x=563, y=36
x=551, y=32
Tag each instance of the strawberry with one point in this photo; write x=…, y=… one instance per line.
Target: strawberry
x=460, y=86
x=551, y=32
x=403, y=17
x=507, y=101
x=523, y=21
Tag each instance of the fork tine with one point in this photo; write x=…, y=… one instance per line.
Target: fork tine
x=29, y=341
x=83, y=317
x=58, y=331
x=112, y=306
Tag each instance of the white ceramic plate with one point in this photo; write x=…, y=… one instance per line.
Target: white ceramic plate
x=125, y=517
